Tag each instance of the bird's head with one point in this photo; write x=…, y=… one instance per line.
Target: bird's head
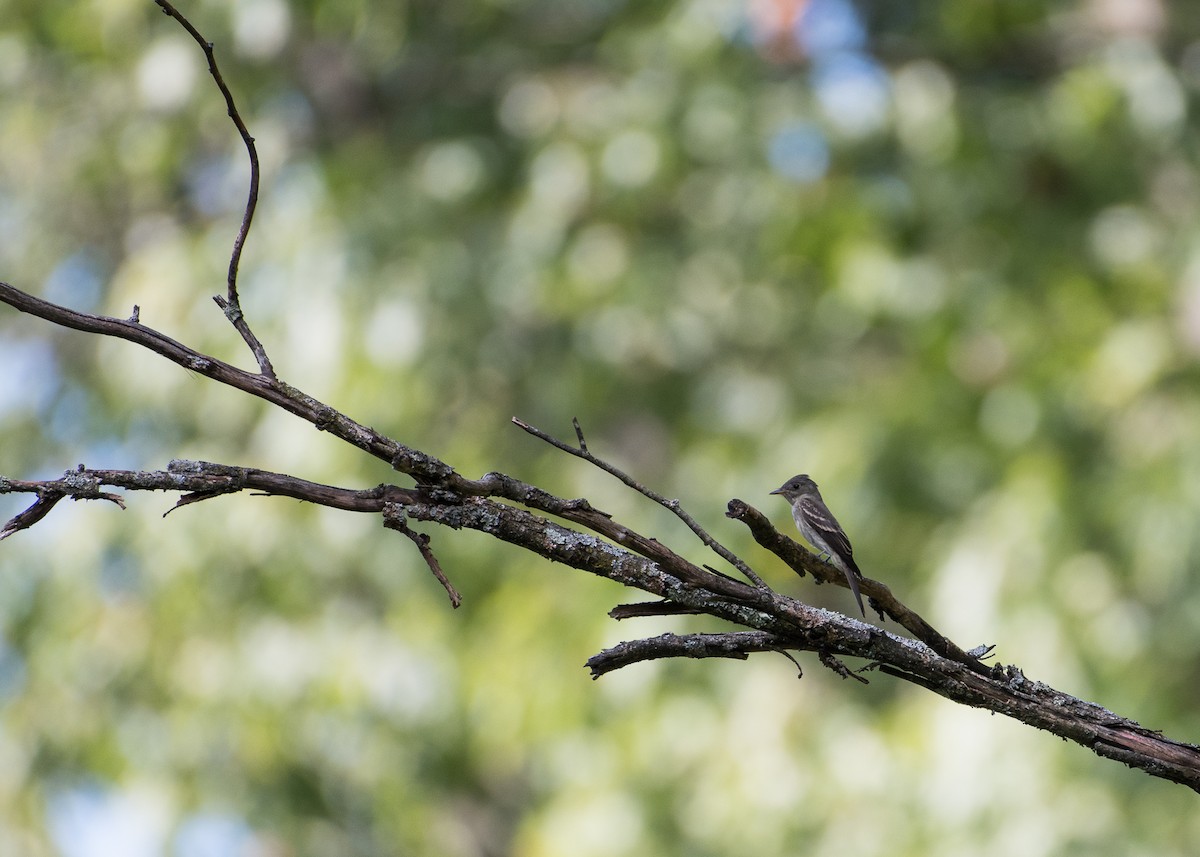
x=797, y=486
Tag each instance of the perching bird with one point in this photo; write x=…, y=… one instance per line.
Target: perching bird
x=817, y=524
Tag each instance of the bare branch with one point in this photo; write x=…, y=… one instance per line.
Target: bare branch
x=77, y=484
x=737, y=645
x=203, y=479
x=394, y=519
x=674, y=505
x=835, y=664
x=230, y=303
x=24, y=520
x=579, y=434
x=424, y=468
x=650, y=608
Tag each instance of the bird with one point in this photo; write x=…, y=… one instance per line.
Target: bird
x=817, y=524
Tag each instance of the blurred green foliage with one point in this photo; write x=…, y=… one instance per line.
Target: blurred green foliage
x=943, y=257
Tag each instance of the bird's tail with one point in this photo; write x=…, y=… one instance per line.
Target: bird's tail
x=852, y=575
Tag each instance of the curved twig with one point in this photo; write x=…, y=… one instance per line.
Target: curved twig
x=230, y=303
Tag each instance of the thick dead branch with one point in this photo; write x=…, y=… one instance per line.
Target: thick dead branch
x=208, y=479
x=650, y=608
x=737, y=645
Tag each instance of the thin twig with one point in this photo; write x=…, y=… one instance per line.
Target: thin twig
x=422, y=542
x=830, y=662
x=394, y=519
x=795, y=663
x=579, y=433
x=582, y=452
x=230, y=303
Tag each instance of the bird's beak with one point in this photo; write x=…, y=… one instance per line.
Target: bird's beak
x=777, y=491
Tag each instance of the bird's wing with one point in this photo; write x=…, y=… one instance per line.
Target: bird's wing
x=822, y=520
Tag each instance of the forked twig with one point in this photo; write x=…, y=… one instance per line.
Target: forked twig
x=673, y=505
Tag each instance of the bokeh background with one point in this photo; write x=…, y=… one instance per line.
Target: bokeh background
x=942, y=256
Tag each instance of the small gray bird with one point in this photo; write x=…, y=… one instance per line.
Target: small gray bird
x=817, y=524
